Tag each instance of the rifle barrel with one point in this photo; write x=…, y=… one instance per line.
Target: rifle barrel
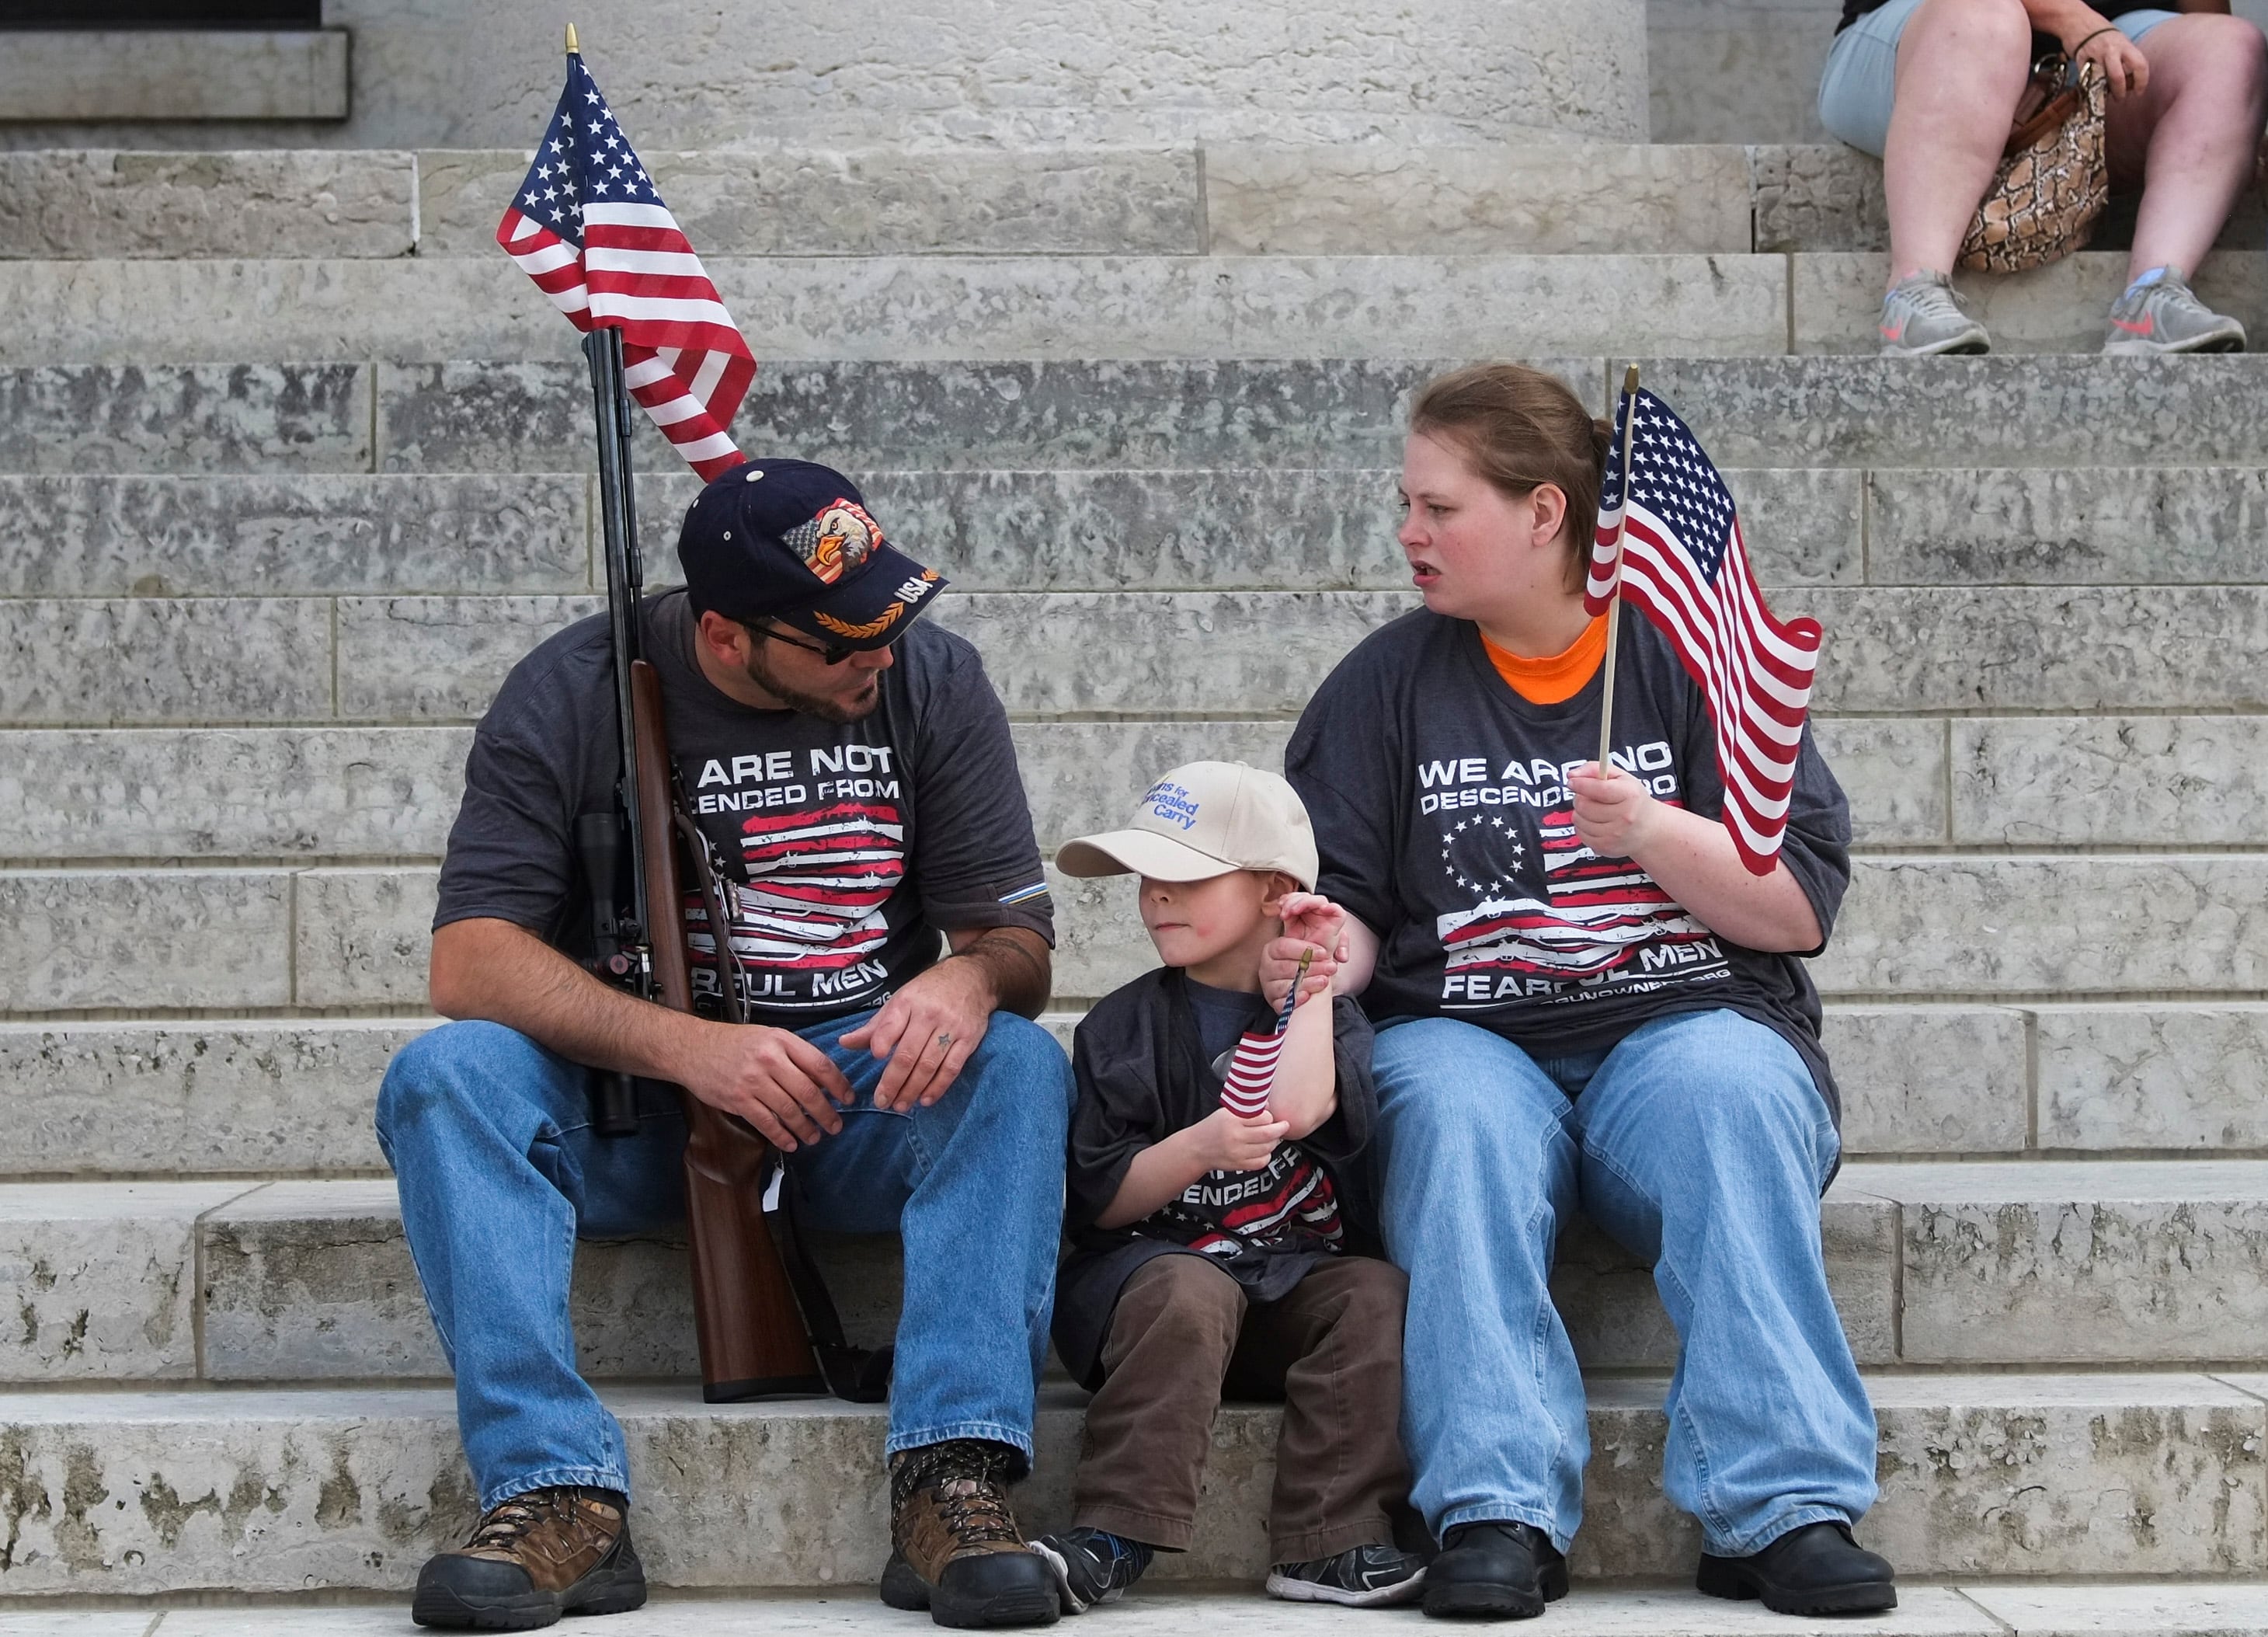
x=625, y=585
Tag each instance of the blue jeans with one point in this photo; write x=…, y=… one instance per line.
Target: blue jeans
x=490, y=1138
x=1699, y=1143
x=1860, y=79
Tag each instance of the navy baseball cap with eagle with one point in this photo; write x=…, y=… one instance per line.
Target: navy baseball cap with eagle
x=793, y=542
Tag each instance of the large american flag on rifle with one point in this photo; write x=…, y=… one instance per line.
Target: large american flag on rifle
x=589, y=228
x=1673, y=533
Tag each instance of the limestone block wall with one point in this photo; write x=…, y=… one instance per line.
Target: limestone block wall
x=712, y=73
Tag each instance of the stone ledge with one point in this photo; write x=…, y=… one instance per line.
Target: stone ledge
x=95, y=203
x=2078, y=410
x=300, y=1491
x=310, y=1281
x=1155, y=1610
x=940, y=308
x=337, y=794
x=2058, y=308
x=294, y=1096
x=1918, y=927
x=104, y=75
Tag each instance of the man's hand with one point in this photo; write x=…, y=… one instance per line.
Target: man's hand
x=1229, y=1142
x=1615, y=815
x=927, y=1030
x=776, y=1081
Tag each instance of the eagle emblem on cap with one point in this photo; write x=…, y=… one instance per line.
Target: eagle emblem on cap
x=839, y=539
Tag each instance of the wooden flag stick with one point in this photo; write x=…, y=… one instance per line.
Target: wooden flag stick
x=1614, y=598
x=573, y=50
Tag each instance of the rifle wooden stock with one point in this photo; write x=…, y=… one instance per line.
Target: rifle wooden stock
x=752, y=1335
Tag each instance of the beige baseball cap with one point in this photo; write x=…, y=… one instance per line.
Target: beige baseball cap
x=1203, y=820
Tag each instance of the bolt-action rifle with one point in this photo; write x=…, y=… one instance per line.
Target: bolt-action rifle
x=765, y=1321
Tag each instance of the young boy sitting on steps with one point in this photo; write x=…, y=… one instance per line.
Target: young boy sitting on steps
x=1218, y=1217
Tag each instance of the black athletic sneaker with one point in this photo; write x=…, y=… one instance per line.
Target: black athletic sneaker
x=1363, y=1577
x=1816, y=1569
x=1092, y=1567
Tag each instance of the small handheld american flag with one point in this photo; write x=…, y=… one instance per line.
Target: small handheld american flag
x=588, y=226
x=1252, y=1068
x=1670, y=537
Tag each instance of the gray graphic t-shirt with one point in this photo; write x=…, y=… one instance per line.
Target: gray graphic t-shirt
x=846, y=847
x=1440, y=803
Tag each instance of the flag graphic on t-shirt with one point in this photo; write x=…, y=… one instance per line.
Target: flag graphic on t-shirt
x=1596, y=912
x=817, y=882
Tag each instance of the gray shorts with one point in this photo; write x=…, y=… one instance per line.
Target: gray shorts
x=1862, y=71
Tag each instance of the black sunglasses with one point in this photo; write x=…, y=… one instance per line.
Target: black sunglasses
x=829, y=654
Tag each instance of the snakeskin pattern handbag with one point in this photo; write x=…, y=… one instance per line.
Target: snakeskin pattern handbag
x=2054, y=178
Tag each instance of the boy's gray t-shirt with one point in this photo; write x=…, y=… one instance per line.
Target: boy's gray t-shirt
x=1442, y=813
x=848, y=846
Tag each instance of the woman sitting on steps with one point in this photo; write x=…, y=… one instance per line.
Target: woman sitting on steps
x=1932, y=87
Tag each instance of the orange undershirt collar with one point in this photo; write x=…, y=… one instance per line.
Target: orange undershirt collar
x=1561, y=675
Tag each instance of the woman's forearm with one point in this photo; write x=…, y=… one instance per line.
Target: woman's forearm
x=1693, y=859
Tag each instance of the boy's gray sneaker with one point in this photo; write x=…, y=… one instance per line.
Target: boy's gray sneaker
x=1365, y=1577
x=2167, y=317
x=1922, y=318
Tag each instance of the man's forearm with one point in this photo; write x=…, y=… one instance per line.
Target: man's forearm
x=501, y=973
x=1016, y=962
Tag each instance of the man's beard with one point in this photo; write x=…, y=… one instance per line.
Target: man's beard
x=858, y=706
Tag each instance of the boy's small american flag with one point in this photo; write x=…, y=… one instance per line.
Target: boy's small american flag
x=590, y=228
x=1252, y=1070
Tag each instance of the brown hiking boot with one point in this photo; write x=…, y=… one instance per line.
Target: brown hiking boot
x=533, y=1558
x=954, y=1547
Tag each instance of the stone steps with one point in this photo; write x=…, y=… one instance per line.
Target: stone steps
x=1532, y=193
x=1259, y=526
x=275, y=1490
x=292, y=1095
x=2033, y=1264
x=1001, y=307
x=882, y=415
x=300, y=419
x=1972, y=1608
x=1955, y=927
x=249, y=661
x=338, y=794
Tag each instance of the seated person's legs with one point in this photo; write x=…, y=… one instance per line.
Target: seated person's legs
x=1149, y=1427
x=1705, y=1145
x=2189, y=139
x=1330, y=1348
x=490, y=1138
x=1932, y=87
x=1478, y=1171
x=974, y=1183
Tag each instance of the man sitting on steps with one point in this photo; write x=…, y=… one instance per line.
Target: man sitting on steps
x=854, y=770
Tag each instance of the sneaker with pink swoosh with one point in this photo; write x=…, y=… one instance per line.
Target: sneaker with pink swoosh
x=2165, y=316
x=1923, y=318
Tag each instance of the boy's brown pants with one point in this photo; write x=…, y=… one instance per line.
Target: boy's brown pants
x=1182, y=1336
